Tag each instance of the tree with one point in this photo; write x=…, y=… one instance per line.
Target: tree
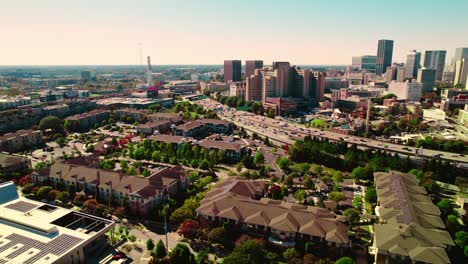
x=43, y=191
x=250, y=252
x=362, y=173
x=290, y=254
x=307, y=182
x=160, y=250
x=149, y=244
x=337, y=176
x=353, y=216
x=52, y=195
x=452, y=223
x=357, y=202
x=259, y=158
x=300, y=195
x=181, y=255
x=445, y=206
x=336, y=196
x=461, y=239
x=204, y=164
x=283, y=163
x=345, y=260
x=202, y=257
x=51, y=122
x=132, y=238
x=371, y=195
x=189, y=228
x=27, y=188
x=217, y=235
x=289, y=181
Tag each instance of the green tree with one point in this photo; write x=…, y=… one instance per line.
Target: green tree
x=371, y=195
x=217, y=235
x=43, y=191
x=337, y=176
x=307, y=182
x=345, y=260
x=132, y=238
x=283, y=163
x=160, y=250
x=181, y=255
x=204, y=164
x=291, y=254
x=300, y=195
x=357, y=202
x=336, y=196
x=353, y=216
x=259, y=158
x=149, y=244
x=250, y=252
x=51, y=122
x=445, y=206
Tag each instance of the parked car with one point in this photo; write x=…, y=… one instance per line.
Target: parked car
x=119, y=255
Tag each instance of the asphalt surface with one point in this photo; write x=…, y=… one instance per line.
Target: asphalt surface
x=287, y=132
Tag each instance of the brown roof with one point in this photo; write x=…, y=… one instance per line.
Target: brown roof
x=189, y=125
x=19, y=133
x=212, y=144
x=169, y=138
x=240, y=187
x=410, y=223
x=154, y=124
x=87, y=114
x=214, y=121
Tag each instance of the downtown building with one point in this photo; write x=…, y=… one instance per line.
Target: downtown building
x=232, y=71
x=251, y=66
x=413, y=64
x=384, y=56
x=435, y=59
x=461, y=66
x=365, y=63
x=427, y=77
x=408, y=90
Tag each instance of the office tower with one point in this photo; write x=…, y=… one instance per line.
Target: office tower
x=232, y=71
x=427, y=76
x=283, y=74
x=461, y=66
x=384, y=56
x=390, y=74
x=251, y=65
x=253, y=87
x=413, y=63
x=401, y=74
x=365, y=63
x=435, y=59
x=268, y=87
x=320, y=88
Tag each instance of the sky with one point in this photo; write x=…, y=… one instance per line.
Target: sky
x=304, y=32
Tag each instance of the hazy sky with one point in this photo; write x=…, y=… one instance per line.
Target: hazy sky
x=63, y=32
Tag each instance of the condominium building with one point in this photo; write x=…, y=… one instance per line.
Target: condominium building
x=435, y=59
x=13, y=163
x=85, y=121
x=138, y=115
x=152, y=126
x=141, y=194
x=21, y=139
x=34, y=232
x=409, y=229
x=232, y=70
x=240, y=202
x=384, y=55
x=253, y=87
x=202, y=127
x=170, y=117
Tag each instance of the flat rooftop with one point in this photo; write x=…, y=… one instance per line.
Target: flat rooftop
x=35, y=232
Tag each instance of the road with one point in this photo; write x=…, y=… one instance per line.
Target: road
x=287, y=132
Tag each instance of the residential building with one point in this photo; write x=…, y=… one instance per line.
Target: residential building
x=253, y=87
x=413, y=63
x=283, y=76
x=365, y=63
x=20, y=140
x=138, y=115
x=8, y=102
x=59, y=110
x=141, y=194
x=384, y=56
x=13, y=163
x=202, y=127
x=238, y=89
x=435, y=59
x=170, y=117
x=85, y=121
x=214, y=86
x=391, y=74
x=409, y=229
x=427, y=77
x=251, y=66
x=34, y=232
x=232, y=70
x=151, y=127
x=434, y=114
x=283, y=223
x=233, y=151
x=268, y=87
x=168, y=139
x=461, y=66
x=280, y=105
x=411, y=91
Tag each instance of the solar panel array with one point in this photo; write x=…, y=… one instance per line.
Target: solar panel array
x=21, y=206
x=57, y=246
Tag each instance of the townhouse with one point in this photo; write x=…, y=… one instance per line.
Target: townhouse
x=21, y=139
x=85, y=121
x=201, y=127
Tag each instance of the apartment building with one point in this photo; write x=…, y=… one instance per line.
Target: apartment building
x=85, y=121
x=140, y=194
x=150, y=127
x=137, y=114
x=239, y=202
x=201, y=127
x=173, y=118
x=13, y=163
x=19, y=140
x=410, y=229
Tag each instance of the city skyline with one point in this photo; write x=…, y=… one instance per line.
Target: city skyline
x=206, y=32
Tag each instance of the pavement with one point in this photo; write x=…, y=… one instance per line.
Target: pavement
x=288, y=132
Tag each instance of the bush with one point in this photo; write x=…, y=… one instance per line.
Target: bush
x=217, y=235
x=345, y=260
x=149, y=244
x=160, y=250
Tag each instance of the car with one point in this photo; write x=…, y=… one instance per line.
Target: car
x=119, y=255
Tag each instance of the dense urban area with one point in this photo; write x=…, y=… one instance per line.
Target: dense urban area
x=237, y=163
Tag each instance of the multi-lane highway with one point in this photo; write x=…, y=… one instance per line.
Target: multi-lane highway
x=287, y=132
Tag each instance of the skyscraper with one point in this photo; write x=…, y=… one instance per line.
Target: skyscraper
x=413, y=63
x=251, y=65
x=461, y=66
x=384, y=55
x=401, y=74
x=253, y=87
x=391, y=74
x=435, y=59
x=232, y=70
x=427, y=76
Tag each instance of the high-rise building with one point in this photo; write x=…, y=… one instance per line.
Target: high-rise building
x=320, y=90
x=435, y=59
x=232, y=70
x=413, y=64
x=284, y=77
x=268, y=87
x=461, y=66
x=401, y=74
x=427, y=76
x=365, y=63
x=384, y=55
x=251, y=65
x=253, y=87
x=408, y=90
x=390, y=74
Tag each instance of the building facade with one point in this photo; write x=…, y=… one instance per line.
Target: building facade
x=232, y=70
x=435, y=59
x=251, y=66
x=427, y=77
x=413, y=63
x=384, y=56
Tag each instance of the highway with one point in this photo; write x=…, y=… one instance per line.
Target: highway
x=287, y=132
